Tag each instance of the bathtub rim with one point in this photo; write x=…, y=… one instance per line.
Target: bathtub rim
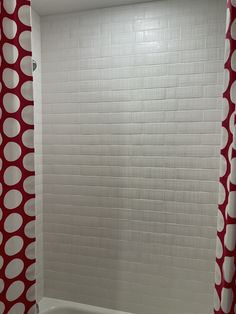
x=46, y=304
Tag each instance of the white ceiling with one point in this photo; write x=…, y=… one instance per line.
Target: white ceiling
x=46, y=7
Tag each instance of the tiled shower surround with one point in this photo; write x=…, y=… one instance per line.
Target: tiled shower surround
x=131, y=133
x=36, y=48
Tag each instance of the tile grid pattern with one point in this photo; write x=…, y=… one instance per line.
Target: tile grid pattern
x=36, y=50
x=131, y=124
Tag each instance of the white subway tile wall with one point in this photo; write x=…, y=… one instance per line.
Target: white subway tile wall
x=131, y=133
x=36, y=51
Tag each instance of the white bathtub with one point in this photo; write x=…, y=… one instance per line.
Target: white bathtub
x=55, y=306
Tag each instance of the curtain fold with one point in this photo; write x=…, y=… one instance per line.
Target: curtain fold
x=225, y=274
x=17, y=214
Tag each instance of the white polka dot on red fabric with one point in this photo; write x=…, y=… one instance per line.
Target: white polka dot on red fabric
x=228, y=268
x=13, y=245
x=226, y=79
x=30, y=272
x=1, y=285
x=233, y=3
x=233, y=174
x=2, y=307
x=233, y=29
x=25, y=65
x=230, y=237
x=11, y=102
x=10, y=78
x=14, y=268
x=228, y=16
x=11, y=127
x=9, y=6
x=227, y=49
x=13, y=222
x=24, y=14
x=219, y=249
x=15, y=290
x=217, y=274
x=233, y=92
x=32, y=310
x=228, y=180
x=233, y=61
x=12, y=151
x=29, y=229
x=24, y=40
x=224, y=137
x=1, y=263
x=232, y=130
x=12, y=175
x=221, y=193
x=18, y=308
x=29, y=207
x=28, y=138
x=30, y=293
x=10, y=53
x=220, y=222
x=30, y=251
x=28, y=162
x=9, y=27
x=226, y=300
x=216, y=301
x=28, y=115
x=27, y=90
x=231, y=209
x=29, y=184
x=223, y=164
x=12, y=199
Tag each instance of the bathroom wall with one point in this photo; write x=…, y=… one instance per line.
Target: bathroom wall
x=36, y=51
x=131, y=132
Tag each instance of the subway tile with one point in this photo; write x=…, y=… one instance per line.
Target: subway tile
x=131, y=132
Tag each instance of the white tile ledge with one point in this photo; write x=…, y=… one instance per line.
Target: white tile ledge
x=50, y=305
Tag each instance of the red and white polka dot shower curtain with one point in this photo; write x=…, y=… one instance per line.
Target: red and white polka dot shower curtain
x=17, y=216
x=225, y=275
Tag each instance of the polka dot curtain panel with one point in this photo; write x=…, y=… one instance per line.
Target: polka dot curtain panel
x=225, y=275
x=17, y=215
